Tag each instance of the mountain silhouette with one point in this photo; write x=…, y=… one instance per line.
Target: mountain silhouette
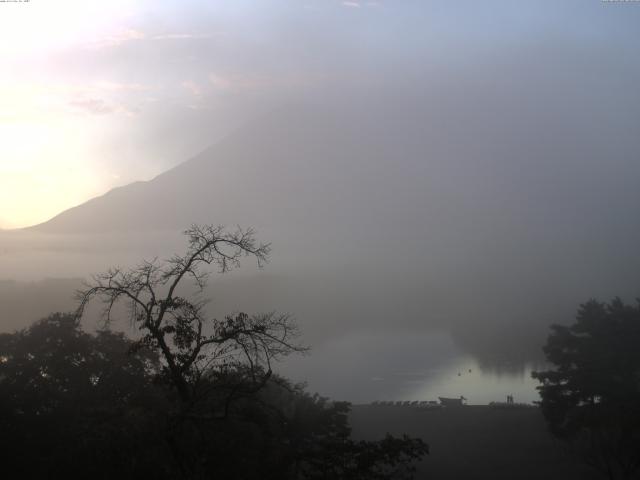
x=431, y=210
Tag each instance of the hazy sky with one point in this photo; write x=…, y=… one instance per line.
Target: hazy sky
x=95, y=94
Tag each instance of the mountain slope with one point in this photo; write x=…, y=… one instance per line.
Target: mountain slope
x=468, y=210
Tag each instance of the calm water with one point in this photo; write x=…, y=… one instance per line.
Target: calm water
x=363, y=366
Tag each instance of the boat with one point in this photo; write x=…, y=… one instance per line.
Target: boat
x=452, y=402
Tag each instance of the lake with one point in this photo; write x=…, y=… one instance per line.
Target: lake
x=362, y=367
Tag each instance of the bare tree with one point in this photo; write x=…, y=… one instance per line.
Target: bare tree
x=196, y=349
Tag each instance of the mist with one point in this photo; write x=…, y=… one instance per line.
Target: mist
x=438, y=183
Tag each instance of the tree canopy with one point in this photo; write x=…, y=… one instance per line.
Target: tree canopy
x=591, y=398
x=188, y=397
x=73, y=404
x=191, y=344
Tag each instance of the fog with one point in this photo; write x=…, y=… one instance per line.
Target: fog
x=392, y=216
x=299, y=239
x=421, y=169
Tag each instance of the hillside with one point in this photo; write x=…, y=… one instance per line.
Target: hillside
x=417, y=213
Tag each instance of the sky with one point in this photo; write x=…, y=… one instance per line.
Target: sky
x=470, y=166
x=97, y=94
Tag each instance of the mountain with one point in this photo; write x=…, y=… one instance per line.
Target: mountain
x=382, y=170
x=474, y=211
x=293, y=167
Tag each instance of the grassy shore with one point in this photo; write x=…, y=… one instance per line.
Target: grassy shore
x=475, y=442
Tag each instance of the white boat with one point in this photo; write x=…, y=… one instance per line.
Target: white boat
x=452, y=402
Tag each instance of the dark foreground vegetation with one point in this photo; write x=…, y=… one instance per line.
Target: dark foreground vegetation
x=189, y=397
x=588, y=426
x=476, y=442
x=591, y=398
x=192, y=397
x=75, y=405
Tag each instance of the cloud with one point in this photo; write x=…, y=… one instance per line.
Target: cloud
x=203, y=90
x=127, y=35
x=182, y=36
x=106, y=97
x=24, y=102
x=220, y=81
x=117, y=39
x=193, y=87
x=216, y=82
x=121, y=87
x=253, y=81
x=92, y=105
x=359, y=3
x=100, y=106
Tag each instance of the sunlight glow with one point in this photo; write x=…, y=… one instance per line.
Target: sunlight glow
x=41, y=26
x=45, y=151
x=47, y=160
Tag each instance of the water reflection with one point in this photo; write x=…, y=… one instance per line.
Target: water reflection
x=480, y=386
x=365, y=366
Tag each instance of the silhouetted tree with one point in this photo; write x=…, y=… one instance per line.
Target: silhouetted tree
x=283, y=432
x=228, y=421
x=191, y=344
x=591, y=399
x=317, y=442
x=74, y=405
